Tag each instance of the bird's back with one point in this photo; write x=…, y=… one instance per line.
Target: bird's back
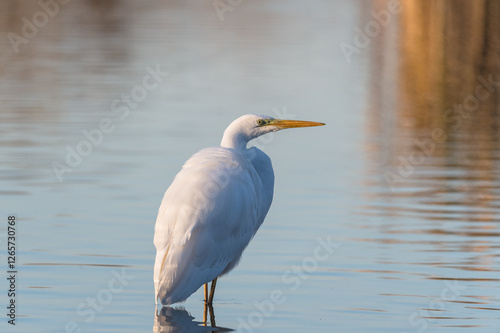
x=207, y=217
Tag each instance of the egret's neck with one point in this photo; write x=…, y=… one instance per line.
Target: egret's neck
x=234, y=139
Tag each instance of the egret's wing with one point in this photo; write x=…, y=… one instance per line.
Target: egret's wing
x=207, y=217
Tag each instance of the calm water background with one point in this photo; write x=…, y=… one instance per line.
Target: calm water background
x=404, y=188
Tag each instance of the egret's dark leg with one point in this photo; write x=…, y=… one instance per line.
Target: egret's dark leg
x=212, y=315
x=206, y=292
x=212, y=291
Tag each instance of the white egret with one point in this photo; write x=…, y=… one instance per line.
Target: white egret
x=213, y=208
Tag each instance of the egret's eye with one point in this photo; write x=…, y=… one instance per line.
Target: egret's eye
x=260, y=122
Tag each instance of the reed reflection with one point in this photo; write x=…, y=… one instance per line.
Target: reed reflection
x=448, y=49
x=432, y=184
x=440, y=132
x=434, y=127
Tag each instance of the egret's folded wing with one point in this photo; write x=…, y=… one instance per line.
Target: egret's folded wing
x=207, y=217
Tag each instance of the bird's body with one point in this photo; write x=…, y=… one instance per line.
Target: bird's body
x=213, y=217
x=212, y=209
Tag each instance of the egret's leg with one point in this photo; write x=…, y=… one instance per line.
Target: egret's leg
x=205, y=314
x=205, y=287
x=212, y=291
x=212, y=315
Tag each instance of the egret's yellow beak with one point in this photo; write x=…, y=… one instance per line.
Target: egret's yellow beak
x=282, y=124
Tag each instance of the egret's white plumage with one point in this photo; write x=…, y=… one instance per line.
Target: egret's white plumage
x=213, y=208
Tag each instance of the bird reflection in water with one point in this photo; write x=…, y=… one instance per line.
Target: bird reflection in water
x=179, y=320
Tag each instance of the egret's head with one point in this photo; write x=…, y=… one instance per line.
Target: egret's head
x=251, y=126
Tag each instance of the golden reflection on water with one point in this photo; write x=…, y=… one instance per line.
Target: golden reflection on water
x=444, y=46
x=434, y=134
x=432, y=151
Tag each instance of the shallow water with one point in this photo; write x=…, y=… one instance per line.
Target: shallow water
x=385, y=220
